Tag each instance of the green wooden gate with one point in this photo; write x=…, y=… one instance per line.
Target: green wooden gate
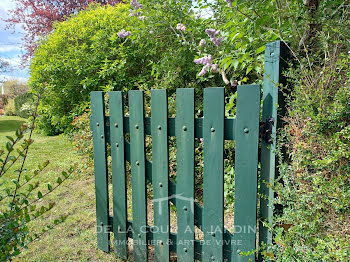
x=126, y=137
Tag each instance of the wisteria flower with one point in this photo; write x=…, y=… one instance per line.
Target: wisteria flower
x=202, y=42
x=212, y=32
x=123, y=33
x=205, y=60
x=229, y=4
x=204, y=70
x=181, y=27
x=217, y=41
x=136, y=4
x=215, y=68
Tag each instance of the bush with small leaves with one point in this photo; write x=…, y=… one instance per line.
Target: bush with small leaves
x=22, y=202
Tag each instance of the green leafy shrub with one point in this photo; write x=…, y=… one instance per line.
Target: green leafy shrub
x=85, y=53
x=24, y=105
x=9, y=108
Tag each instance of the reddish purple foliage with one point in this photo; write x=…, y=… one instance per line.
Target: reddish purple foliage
x=38, y=16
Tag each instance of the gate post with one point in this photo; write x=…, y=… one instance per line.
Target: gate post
x=276, y=54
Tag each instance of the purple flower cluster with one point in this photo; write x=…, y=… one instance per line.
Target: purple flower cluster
x=212, y=33
x=204, y=70
x=202, y=42
x=136, y=4
x=181, y=27
x=229, y=4
x=215, y=68
x=206, y=62
x=123, y=33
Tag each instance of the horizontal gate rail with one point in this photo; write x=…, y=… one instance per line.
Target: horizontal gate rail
x=198, y=127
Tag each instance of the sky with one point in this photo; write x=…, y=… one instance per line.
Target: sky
x=10, y=45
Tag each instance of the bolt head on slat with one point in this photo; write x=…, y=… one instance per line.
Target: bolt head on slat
x=159, y=128
x=212, y=129
x=246, y=130
x=137, y=163
x=184, y=128
x=137, y=126
x=116, y=124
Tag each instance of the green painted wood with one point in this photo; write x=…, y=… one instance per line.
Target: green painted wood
x=138, y=174
x=116, y=105
x=184, y=131
x=160, y=163
x=213, y=195
x=198, y=132
x=100, y=166
x=246, y=168
x=275, y=56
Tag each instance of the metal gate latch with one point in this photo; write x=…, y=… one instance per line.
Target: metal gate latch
x=265, y=130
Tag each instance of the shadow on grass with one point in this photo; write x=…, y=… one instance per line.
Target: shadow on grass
x=10, y=125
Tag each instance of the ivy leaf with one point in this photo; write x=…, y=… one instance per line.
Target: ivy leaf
x=40, y=195
x=49, y=187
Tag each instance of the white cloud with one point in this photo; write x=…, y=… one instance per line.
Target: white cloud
x=4, y=78
x=7, y=4
x=9, y=48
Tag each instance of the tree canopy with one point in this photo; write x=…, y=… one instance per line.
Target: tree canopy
x=38, y=16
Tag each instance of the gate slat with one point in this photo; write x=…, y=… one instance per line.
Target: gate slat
x=116, y=105
x=137, y=149
x=160, y=171
x=246, y=168
x=184, y=130
x=100, y=167
x=213, y=196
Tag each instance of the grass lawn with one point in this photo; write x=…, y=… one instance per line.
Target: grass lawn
x=75, y=239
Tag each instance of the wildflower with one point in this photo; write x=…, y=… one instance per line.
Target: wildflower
x=201, y=139
x=123, y=33
x=229, y=4
x=202, y=42
x=141, y=18
x=181, y=27
x=198, y=16
x=217, y=41
x=136, y=4
x=204, y=70
x=212, y=32
x=215, y=68
x=151, y=32
x=205, y=60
